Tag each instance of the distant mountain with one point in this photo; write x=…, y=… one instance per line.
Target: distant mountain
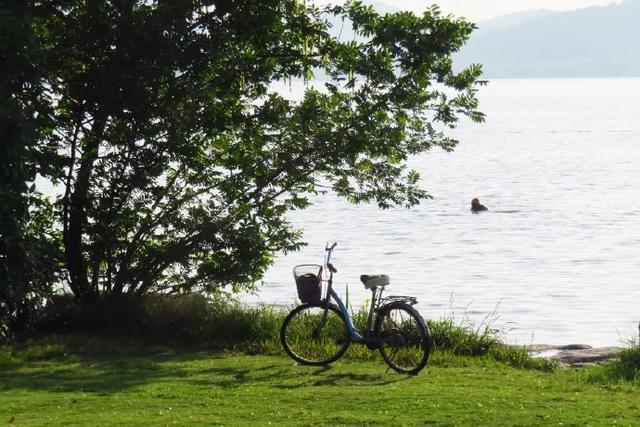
x=514, y=19
x=602, y=41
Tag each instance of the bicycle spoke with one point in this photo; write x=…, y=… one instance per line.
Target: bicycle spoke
x=404, y=339
x=315, y=335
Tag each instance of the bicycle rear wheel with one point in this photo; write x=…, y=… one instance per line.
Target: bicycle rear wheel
x=315, y=334
x=405, y=342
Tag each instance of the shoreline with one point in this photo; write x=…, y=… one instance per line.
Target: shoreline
x=573, y=355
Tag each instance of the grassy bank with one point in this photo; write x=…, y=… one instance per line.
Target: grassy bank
x=229, y=325
x=84, y=381
x=187, y=360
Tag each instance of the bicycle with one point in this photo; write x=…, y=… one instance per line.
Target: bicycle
x=319, y=331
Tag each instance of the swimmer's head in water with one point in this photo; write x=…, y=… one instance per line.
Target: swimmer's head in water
x=476, y=206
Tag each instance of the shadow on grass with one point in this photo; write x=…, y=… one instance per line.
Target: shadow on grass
x=98, y=376
x=353, y=379
x=227, y=377
x=77, y=364
x=104, y=377
x=325, y=376
x=107, y=367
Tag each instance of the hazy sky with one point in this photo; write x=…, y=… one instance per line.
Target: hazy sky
x=479, y=10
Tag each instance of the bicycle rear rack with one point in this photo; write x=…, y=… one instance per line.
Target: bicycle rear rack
x=398, y=298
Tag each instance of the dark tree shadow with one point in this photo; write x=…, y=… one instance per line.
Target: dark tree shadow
x=104, y=374
x=101, y=374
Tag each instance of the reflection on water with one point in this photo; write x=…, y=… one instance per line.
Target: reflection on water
x=556, y=255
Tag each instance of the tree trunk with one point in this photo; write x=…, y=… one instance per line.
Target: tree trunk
x=73, y=247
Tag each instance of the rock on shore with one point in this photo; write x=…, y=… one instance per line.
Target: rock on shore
x=574, y=355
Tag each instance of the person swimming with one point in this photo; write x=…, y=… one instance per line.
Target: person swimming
x=476, y=206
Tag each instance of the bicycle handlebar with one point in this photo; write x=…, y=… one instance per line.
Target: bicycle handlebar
x=329, y=250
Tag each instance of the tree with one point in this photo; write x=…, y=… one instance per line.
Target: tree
x=179, y=162
x=28, y=259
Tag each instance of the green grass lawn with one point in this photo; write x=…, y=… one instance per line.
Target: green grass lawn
x=109, y=383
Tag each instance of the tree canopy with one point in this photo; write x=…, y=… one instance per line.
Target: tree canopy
x=178, y=159
x=28, y=262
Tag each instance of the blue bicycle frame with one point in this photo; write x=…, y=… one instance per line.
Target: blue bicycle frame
x=356, y=335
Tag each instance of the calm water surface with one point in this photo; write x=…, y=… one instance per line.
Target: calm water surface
x=556, y=257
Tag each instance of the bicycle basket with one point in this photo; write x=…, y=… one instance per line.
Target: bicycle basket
x=309, y=282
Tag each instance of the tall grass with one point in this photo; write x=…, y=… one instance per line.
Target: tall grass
x=187, y=319
x=462, y=340
x=226, y=323
x=625, y=368
x=458, y=339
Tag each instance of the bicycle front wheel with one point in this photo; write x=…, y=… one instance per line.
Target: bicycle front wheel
x=404, y=338
x=315, y=334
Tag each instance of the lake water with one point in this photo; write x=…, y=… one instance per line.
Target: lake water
x=556, y=258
